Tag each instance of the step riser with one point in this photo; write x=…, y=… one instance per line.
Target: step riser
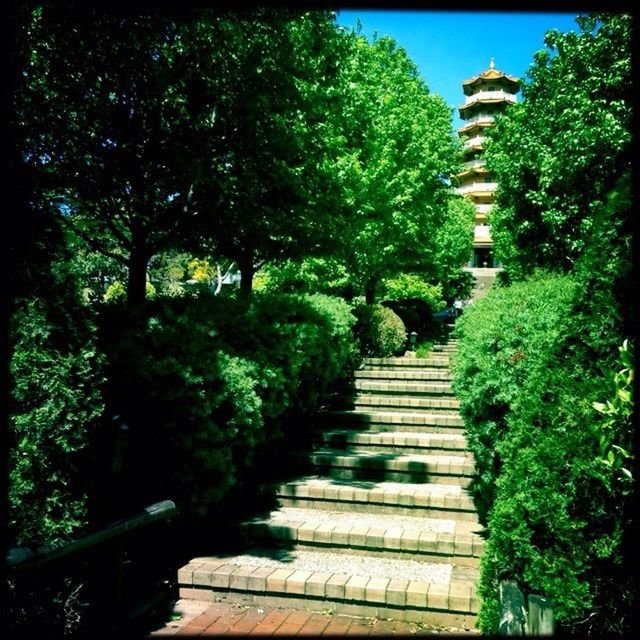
x=393, y=552
x=438, y=617
x=358, y=460
x=384, y=428
x=382, y=509
x=412, y=404
x=415, y=363
x=403, y=390
x=385, y=475
x=366, y=418
x=395, y=449
x=409, y=376
x=435, y=364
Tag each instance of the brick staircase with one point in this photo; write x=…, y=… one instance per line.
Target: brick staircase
x=384, y=527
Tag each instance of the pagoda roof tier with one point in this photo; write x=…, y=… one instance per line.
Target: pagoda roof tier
x=478, y=189
x=490, y=75
x=470, y=171
x=487, y=97
x=476, y=123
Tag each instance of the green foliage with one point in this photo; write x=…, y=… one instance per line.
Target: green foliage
x=617, y=429
x=530, y=365
x=380, y=331
x=396, y=148
x=54, y=390
x=454, y=240
x=115, y=291
x=274, y=176
x=557, y=154
x=204, y=382
x=311, y=275
x=407, y=285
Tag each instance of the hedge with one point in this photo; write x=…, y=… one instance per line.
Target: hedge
x=528, y=374
x=203, y=383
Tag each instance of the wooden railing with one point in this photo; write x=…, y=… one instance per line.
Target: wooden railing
x=104, y=554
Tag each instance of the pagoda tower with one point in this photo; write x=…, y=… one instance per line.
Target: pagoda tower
x=486, y=95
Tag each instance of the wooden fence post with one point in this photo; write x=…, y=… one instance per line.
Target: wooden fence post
x=513, y=615
x=540, y=622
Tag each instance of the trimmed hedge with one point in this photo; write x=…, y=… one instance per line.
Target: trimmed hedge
x=203, y=383
x=380, y=331
x=529, y=368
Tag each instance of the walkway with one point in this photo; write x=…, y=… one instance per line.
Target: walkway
x=379, y=526
x=199, y=618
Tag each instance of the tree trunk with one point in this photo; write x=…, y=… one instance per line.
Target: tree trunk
x=370, y=290
x=247, y=271
x=137, y=283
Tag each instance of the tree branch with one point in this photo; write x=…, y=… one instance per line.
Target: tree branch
x=92, y=242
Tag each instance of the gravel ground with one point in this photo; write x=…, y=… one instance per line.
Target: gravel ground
x=319, y=561
x=371, y=519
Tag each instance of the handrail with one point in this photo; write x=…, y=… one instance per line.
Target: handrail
x=23, y=557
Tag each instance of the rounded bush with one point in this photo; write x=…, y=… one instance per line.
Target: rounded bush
x=381, y=331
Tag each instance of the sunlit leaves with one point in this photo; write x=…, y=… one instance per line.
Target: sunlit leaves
x=558, y=153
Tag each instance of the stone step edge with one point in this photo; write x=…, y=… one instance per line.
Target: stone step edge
x=442, y=544
x=432, y=365
x=408, y=401
x=406, y=360
x=411, y=376
x=378, y=496
x=320, y=504
x=388, y=439
x=394, y=417
x=405, y=386
x=404, y=464
x=216, y=574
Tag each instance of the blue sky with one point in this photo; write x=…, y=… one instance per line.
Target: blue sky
x=451, y=46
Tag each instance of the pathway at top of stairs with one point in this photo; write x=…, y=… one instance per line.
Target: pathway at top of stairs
x=383, y=525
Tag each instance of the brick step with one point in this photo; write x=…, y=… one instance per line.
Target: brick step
x=407, y=362
x=443, y=404
x=364, y=465
x=393, y=441
x=390, y=536
x=422, y=500
x=373, y=420
x=435, y=375
x=403, y=387
x=418, y=591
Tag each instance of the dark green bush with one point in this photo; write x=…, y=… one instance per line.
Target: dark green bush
x=415, y=314
x=203, y=383
x=531, y=363
x=380, y=331
x=54, y=389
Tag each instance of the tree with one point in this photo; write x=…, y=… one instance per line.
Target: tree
x=397, y=149
x=454, y=241
x=276, y=187
x=558, y=153
x=116, y=124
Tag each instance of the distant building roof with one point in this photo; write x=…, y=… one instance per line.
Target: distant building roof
x=490, y=74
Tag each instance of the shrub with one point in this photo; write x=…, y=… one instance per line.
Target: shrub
x=380, y=331
x=527, y=373
x=54, y=389
x=311, y=275
x=415, y=314
x=55, y=401
x=410, y=286
x=204, y=382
